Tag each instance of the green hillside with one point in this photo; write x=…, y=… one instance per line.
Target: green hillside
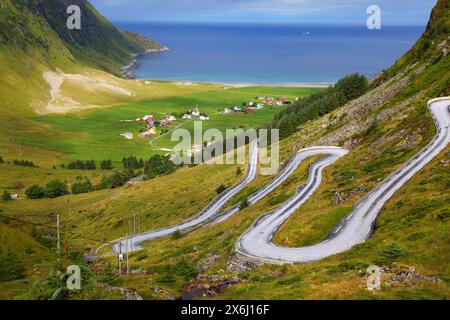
x=383, y=123
x=41, y=25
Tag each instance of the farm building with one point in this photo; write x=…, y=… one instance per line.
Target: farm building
x=127, y=135
x=165, y=123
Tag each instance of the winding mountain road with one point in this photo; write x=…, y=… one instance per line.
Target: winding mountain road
x=357, y=227
x=133, y=243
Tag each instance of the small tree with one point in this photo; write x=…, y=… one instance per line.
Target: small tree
x=1, y=160
x=238, y=171
x=11, y=266
x=390, y=253
x=56, y=188
x=106, y=165
x=221, y=189
x=6, y=196
x=35, y=192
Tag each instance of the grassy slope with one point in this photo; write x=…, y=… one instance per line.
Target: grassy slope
x=416, y=217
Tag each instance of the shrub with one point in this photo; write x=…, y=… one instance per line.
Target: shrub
x=176, y=235
x=158, y=166
x=24, y=163
x=35, y=192
x=221, y=189
x=56, y=188
x=6, y=196
x=82, y=187
x=11, y=266
x=238, y=171
x=244, y=204
x=1, y=160
x=390, y=253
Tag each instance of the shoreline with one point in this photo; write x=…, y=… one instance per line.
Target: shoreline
x=128, y=73
x=128, y=70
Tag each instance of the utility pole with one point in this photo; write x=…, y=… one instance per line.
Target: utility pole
x=58, y=239
x=120, y=257
x=66, y=244
x=140, y=198
x=129, y=227
x=128, y=249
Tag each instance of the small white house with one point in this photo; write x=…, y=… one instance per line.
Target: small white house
x=227, y=110
x=187, y=116
x=195, y=113
x=127, y=135
x=260, y=106
x=171, y=118
x=203, y=118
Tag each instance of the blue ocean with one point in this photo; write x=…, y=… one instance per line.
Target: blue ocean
x=269, y=54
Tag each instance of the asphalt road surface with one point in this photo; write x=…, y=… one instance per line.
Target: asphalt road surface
x=133, y=243
x=358, y=226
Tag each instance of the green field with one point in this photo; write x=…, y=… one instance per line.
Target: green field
x=96, y=134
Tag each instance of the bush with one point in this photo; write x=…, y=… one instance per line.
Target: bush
x=238, y=171
x=6, y=196
x=221, y=189
x=244, y=204
x=158, y=166
x=1, y=160
x=176, y=235
x=82, y=187
x=24, y=163
x=56, y=188
x=35, y=192
x=390, y=253
x=11, y=266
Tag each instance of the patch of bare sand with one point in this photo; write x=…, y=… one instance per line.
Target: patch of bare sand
x=59, y=103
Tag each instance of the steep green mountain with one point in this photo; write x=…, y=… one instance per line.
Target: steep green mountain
x=42, y=24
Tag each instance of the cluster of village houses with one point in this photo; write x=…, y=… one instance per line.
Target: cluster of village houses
x=255, y=106
x=151, y=123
